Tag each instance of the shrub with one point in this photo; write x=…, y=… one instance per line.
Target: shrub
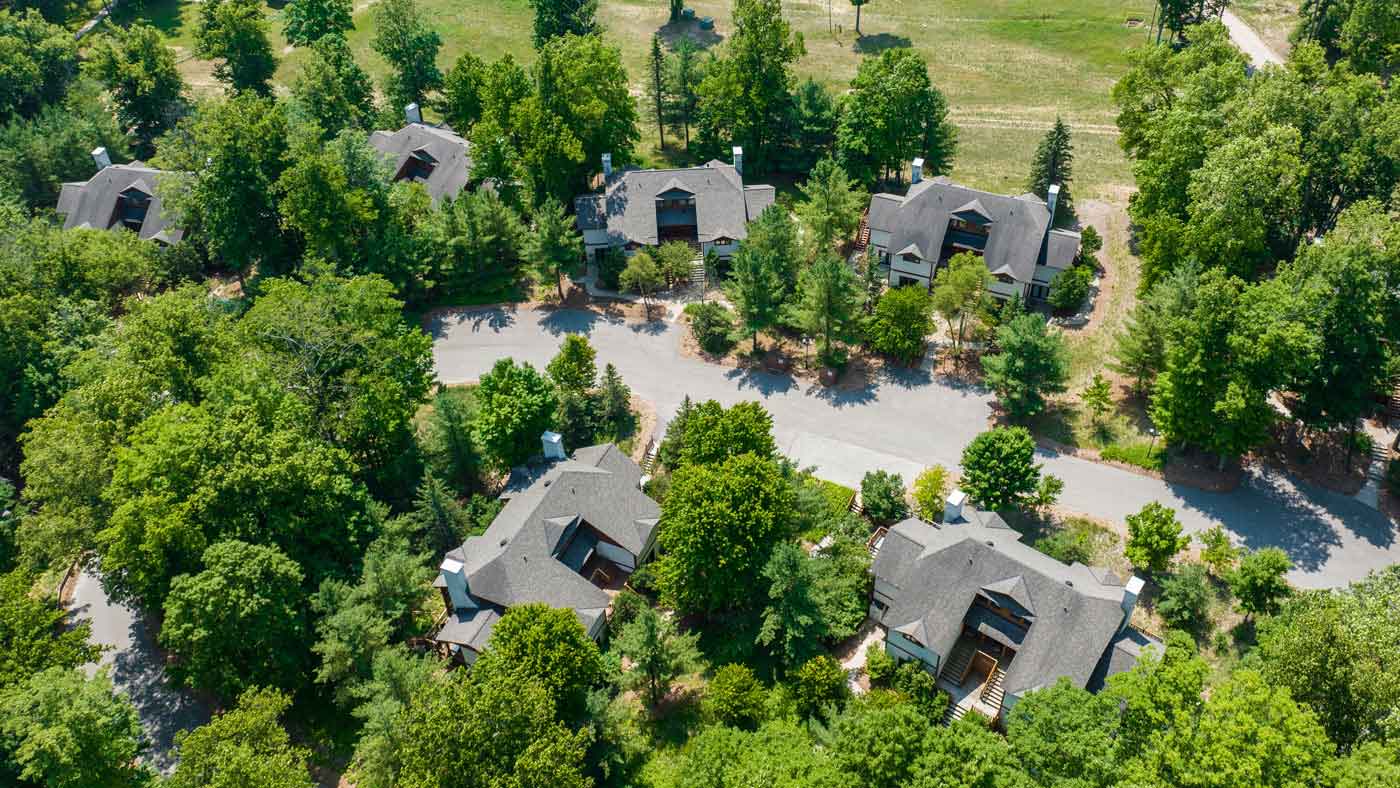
x=902, y=321
x=879, y=665
x=712, y=325
x=1067, y=546
x=1090, y=242
x=838, y=496
x=1218, y=553
x=882, y=494
x=626, y=605
x=735, y=697
x=1070, y=288
x=919, y=685
x=1143, y=455
x=1185, y=600
x=610, y=269
x=644, y=579
x=818, y=683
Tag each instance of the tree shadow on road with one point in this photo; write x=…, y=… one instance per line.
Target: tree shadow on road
x=164, y=710
x=765, y=383
x=492, y=318
x=1312, y=520
x=574, y=321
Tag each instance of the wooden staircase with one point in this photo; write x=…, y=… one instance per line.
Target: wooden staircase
x=857, y=506
x=1392, y=404
x=863, y=236
x=697, y=275
x=955, y=712
x=993, y=691
x=649, y=459
x=955, y=669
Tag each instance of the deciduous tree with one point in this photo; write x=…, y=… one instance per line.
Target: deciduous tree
x=931, y=488
x=902, y=323
x=62, y=729
x=719, y=525
x=308, y=21
x=239, y=623
x=516, y=407
x=234, y=32
x=999, y=469
x=574, y=367
x=960, y=291
x=411, y=47
x=556, y=18
x=135, y=64
x=332, y=89
x=1154, y=538
x=244, y=746
x=1258, y=582
x=545, y=646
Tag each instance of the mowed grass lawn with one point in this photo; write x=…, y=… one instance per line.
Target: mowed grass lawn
x=1008, y=67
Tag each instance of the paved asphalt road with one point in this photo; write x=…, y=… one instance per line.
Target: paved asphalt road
x=909, y=420
x=137, y=669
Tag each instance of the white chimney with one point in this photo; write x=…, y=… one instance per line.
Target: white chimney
x=916, y=171
x=739, y=159
x=607, y=165
x=454, y=577
x=953, y=507
x=553, y=445
x=1131, y=592
x=1052, y=201
x=413, y=113
x=101, y=159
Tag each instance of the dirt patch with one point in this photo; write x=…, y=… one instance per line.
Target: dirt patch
x=1319, y=458
x=646, y=427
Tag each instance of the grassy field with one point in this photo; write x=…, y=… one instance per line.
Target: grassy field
x=1273, y=20
x=1008, y=67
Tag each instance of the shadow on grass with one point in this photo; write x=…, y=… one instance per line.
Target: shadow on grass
x=874, y=45
x=672, y=32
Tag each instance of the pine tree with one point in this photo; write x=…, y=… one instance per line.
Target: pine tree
x=755, y=287
x=828, y=298
x=1098, y=397
x=656, y=87
x=683, y=77
x=871, y=281
x=672, y=446
x=615, y=402
x=1053, y=163
x=442, y=521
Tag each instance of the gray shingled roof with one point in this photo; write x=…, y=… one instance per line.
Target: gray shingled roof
x=1017, y=239
x=627, y=207
x=93, y=204
x=514, y=562
x=937, y=571
x=454, y=165
x=1122, y=654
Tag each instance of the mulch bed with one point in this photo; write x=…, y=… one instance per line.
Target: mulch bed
x=1319, y=458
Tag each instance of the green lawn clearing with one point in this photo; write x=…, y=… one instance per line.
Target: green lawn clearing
x=1008, y=67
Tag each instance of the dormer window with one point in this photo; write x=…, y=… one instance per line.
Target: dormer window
x=417, y=167
x=964, y=226
x=132, y=206
x=723, y=241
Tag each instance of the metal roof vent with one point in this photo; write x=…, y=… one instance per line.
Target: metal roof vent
x=1069, y=583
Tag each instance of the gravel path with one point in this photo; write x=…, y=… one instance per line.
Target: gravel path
x=1249, y=41
x=910, y=419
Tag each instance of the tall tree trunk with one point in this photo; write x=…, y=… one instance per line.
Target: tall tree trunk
x=559, y=284
x=857, y=21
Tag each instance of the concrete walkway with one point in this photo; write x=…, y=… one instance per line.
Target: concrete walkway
x=1249, y=41
x=137, y=668
x=911, y=419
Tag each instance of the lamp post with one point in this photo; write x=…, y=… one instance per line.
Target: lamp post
x=1153, y=432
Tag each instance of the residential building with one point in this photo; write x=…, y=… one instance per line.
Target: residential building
x=916, y=233
x=994, y=618
x=435, y=156
x=708, y=207
x=118, y=197
x=572, y=531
